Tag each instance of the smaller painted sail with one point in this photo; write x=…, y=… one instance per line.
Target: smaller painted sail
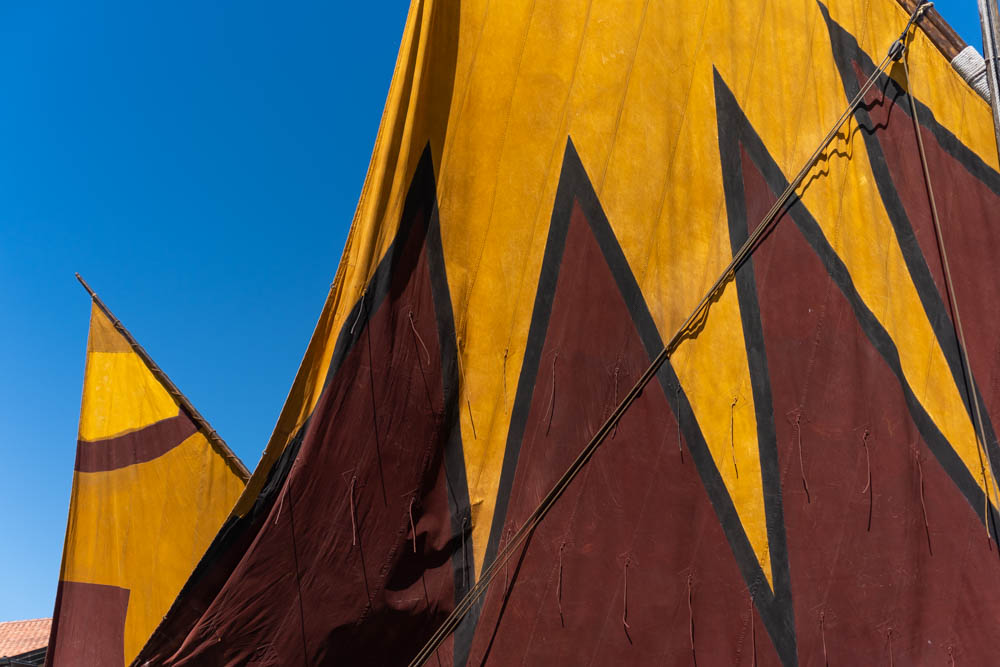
x=152, y=485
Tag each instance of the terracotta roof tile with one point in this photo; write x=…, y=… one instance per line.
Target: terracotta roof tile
x=18, y=637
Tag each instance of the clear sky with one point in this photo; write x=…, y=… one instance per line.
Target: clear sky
x=199, y=164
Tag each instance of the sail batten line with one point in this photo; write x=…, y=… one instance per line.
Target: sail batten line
x=690, y=327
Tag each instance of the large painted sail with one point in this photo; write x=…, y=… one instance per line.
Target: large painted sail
x=554, y=187
x=152, y=486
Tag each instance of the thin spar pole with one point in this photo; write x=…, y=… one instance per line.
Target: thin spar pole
x=214, y=438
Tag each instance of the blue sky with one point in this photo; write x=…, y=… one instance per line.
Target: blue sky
x=199, y=163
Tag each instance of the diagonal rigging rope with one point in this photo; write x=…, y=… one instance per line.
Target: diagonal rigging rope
x=957, y=320
x=689, y=328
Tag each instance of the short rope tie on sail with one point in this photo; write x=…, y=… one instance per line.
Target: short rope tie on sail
x=628, y=561
x=361, y=309
x=677, y=413
x=413, y=327
x=951, y=656
x=732, y=432
x=614, y=431
x=822, y=634
x=797, y=423
x=694, y=657
x=923, y=503
x=505, y=352
x=552, y=393
x=413, y=527
x=753, y=636
x=559, y=581
x=888, y=634
x=868, y=486
x=465, y=565
x=354, y=521
x=468, y=403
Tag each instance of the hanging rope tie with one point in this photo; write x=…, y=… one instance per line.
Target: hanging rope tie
x=797, y=423
x=753, y=636
x=868, y=486
x=552, y=394
x=413, y=327
x=413, y=527
x=923, y=503
x=694, y=657
x=614, y=431
x=505, y=351
x=559, y=580
x=465, y=389
x=465, y=563
x=888, y=635
x=973, y=393
x=361, y=309
x=822, y=633
x=677, y=413
x=951, y=656
x=688, y=328
x=625, y=625
x=354, y=521
x=732, y=437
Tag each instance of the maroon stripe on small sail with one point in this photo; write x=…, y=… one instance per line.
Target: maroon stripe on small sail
x=139, y=446
x=88, y=627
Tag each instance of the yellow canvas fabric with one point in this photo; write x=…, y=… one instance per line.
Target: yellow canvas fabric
x=139, y=518
x=496, y=89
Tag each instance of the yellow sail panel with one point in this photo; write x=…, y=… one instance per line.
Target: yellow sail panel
x=553, y=189
x=149, y=493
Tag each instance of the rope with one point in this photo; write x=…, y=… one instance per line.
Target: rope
x=688, y=328
x=354, y=521
x=923, y=503
x=973, y=393
x=694, y=657
x=732, y=437
x=413, y=527
x=822, y=632
x=677, y=413
x=868, y=486
x=413, y=327
x=506, y=350
x=559, y=582
x=802, y=468
x=625, y=624
x=552, y=394
x=465, y=388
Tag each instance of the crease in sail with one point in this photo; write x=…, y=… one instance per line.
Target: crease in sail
x=368, y=524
